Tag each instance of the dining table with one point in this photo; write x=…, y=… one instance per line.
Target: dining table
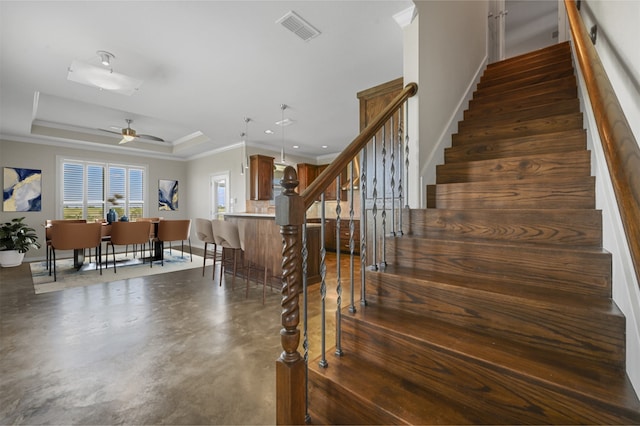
x=79, y=254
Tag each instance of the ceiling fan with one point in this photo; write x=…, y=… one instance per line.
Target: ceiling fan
x=128, y=134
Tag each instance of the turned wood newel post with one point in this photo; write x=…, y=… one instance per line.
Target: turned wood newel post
x=290, y=387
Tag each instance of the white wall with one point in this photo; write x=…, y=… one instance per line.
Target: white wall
x=43, y=157
x=529, y=25
x=618, y=34
x=450, y=38
x=199, y=172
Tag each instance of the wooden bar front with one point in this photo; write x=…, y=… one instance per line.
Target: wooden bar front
x=263, y=243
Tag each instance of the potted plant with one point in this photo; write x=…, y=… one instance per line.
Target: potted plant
x=16, y=238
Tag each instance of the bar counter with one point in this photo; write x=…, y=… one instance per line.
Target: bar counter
x=263, y=243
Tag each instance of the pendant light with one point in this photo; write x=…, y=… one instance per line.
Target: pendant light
x=244, y=163
x=282, y=124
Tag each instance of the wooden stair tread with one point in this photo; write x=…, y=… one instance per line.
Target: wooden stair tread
x=585, y=271
x=540, y=69
x=538, y=297
x=558, y=85
x=520, y=194
x=564, y=141
x=582, y=381
x=532, y=226
x=396, y=401
x=537, y=126
x=565, y=106
x=523, y=78
x=592, y=332
x=563, y=49
x=516, y=168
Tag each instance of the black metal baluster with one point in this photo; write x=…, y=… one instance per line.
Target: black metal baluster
x=393, y=180
x=323, y=286
x=352, y=306
x=374, y=209
x=305, y=318
x=363, y=226
x=383, y=264
x=400, y=231
x=338, y=272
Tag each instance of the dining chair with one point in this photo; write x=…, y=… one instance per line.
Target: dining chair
x=204, y=231
x=227, y=236
x=174, y=230
x=75, y=236
x=125, y=233
x=47, y=234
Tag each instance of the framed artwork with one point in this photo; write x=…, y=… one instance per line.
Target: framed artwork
x=167, y=194
x=22, y=190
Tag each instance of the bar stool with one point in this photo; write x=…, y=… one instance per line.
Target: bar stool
x=227, y=236
x=204, y=231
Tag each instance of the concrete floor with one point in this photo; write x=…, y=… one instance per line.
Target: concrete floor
x=165, y=349
x=171, y=348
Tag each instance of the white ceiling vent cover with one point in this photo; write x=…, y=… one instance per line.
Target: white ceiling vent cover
x=298, y=26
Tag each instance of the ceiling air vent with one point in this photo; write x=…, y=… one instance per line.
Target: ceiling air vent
x=298, y=26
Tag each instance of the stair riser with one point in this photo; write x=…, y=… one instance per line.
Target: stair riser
x=580, y=335
x=571, y=106
x=569, y=141
x=517, y=96
x=567, y=227
x=549, y=166
x=498, y=109
x=470, y=382
x=539, y=126
x=568, y=194
x=579, y=272
x=536, y=73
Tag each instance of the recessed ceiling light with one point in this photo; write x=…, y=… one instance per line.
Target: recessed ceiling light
x=296, y=146
x=325, y=146
x=284, y=122
x=269, y=132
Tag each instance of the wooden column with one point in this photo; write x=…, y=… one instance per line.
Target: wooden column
x=290, y=366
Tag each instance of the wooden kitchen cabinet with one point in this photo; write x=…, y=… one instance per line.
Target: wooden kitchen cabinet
x=331, y=194
x=306, y=174
x=261, y=175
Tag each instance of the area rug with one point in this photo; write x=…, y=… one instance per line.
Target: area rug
x=127, y=267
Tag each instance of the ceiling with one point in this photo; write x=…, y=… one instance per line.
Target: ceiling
x=205, y=65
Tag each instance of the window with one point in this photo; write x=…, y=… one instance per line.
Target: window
x=90, y=189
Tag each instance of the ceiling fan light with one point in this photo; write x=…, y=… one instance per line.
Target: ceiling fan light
x=129, y=133
x=102, y=78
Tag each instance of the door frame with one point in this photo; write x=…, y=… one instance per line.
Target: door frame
x=214, y=179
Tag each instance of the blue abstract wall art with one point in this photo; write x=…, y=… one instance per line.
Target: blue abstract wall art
x=167, y=194
x=22, y=190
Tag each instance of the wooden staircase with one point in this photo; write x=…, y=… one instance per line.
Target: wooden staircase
x=496, y=308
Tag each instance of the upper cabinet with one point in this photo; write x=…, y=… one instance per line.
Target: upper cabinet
x=261, y=174
x=306, y=174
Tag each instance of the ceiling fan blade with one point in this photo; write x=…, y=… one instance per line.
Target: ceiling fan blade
x=111, y=131
x=153, y=138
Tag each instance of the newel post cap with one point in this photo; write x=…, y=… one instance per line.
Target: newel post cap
x=289, y=205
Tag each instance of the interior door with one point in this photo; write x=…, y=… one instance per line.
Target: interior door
x=496, y=23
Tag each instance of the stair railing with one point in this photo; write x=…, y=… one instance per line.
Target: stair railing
x=291, y=366
x=620, y=147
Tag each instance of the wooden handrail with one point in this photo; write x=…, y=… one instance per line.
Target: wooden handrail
x=329, y=175
x=620, y=147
